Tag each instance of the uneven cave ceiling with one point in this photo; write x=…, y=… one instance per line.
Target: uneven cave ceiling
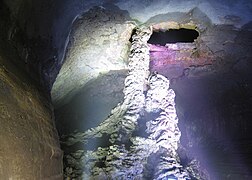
x=192, y=19
x=48, y=23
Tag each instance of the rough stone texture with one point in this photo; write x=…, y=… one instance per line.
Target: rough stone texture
x=188, y=16
x=118, y=161
x=233, y=12
x=164, y=129
x=126, y=153
x=205, y=120
x=214, y=99
x=43, y=26
x=38, y=29
x=29, y=141
x=24, y=30
x=98, y=43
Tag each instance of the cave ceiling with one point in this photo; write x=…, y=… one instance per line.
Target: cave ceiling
x=47, y=25
x=99, y=41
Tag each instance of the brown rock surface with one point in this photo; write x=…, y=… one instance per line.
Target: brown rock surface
x=29, y=142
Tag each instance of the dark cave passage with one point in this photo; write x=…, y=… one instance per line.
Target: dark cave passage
x=173, y=36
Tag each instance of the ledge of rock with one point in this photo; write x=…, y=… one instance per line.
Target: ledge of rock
x=98, y=43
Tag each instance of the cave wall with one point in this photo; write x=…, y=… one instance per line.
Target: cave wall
x=26, y=30
x=214, y=98
x=29, y=141
x=33, y=36
x=38, y=30
x=203, y=91
x=98, y=43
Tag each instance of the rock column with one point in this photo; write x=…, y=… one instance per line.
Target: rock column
x=164, y=129
x=126, y=151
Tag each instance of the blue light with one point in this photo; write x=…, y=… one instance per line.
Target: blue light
x=171, y=179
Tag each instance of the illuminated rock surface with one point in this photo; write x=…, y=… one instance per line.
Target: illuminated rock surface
x=98, y=43
x=45, y=25
x=125, y=155
x=120, y=124
x=225, y=12
x=163, y=129
x=213, y=85
x=149, y=12
x=188, y=70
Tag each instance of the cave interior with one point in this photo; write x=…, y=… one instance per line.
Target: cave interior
x=63, y=72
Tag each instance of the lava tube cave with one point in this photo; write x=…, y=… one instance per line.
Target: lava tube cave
x=128, y=90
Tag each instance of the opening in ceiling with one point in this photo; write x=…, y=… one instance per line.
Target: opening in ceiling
x=173, y=36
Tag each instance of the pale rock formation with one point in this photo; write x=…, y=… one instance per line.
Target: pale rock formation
x=164, y=129
x=98, y=43
x=127, y=155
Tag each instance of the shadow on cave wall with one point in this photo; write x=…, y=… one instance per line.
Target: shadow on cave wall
x=92, y=104
x=215, y=110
